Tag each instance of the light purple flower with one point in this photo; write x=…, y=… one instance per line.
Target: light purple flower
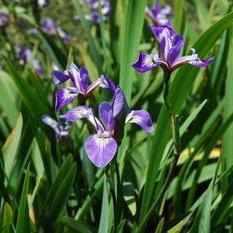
x=25, y=56
x=101, y=147
x=49, y=26
x=4, y=19
x=80, y=84
x=61, y=128
x=160, y=15
x=169, y=56
x=98, y=10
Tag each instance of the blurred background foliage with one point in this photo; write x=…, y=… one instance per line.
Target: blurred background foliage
x=49, y=186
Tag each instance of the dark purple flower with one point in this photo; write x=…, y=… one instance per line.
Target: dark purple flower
x=61, y=128
x=80, y=84
x=160, y=15
x=49, y=26
x=4, y=19
x=169, y=56
x=101, y=147
x=24, y=54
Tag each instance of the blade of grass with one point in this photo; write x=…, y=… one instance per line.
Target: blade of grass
x=7, y=218
x=179, y=15
x=60, y=190
x=10, y=148
x=74, y=225
x=130, y=37
x=228, y=110
x=8, y=97
x=23, y=223
x=104, y=225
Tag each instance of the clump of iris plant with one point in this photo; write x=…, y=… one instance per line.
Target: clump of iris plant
x=50, y=27
x=169, y=55
x=25, y=56
x=169, y=58
x=159, y=14
x=107, y=122
x=4, y=19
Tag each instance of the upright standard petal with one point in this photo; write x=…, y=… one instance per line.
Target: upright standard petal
x=80, y=78
x=64, y=96
x=100, y=150
x=141, y=118
x=107, y=83
x=106, y=116
x=144, y=63
x=160, y=15
x=84, y=80
x=118, y=102
x=175, y=50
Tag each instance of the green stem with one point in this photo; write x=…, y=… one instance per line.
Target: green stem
x=118, y=194
x=173, y=117
x=175, y=134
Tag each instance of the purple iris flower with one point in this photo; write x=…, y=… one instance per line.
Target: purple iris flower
x=4, y=19
x=101, y=147
x=25, y=56
x=169, y=56
x=61, y=128
x=99, y=10
x=49, y=26
x=80, y=84
x=160, y=15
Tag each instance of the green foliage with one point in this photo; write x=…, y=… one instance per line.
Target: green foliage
x=47, y=184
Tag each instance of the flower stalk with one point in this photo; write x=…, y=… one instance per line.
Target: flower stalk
x=173, y=116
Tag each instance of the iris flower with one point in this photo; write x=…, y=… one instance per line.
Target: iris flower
x=169, y=56
x=4, y=19
x=80, y=84
x=49, y=26
x=25, y=56
x=98, y=10
x=60, y=127
x=102, y=145
x=160, y=15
